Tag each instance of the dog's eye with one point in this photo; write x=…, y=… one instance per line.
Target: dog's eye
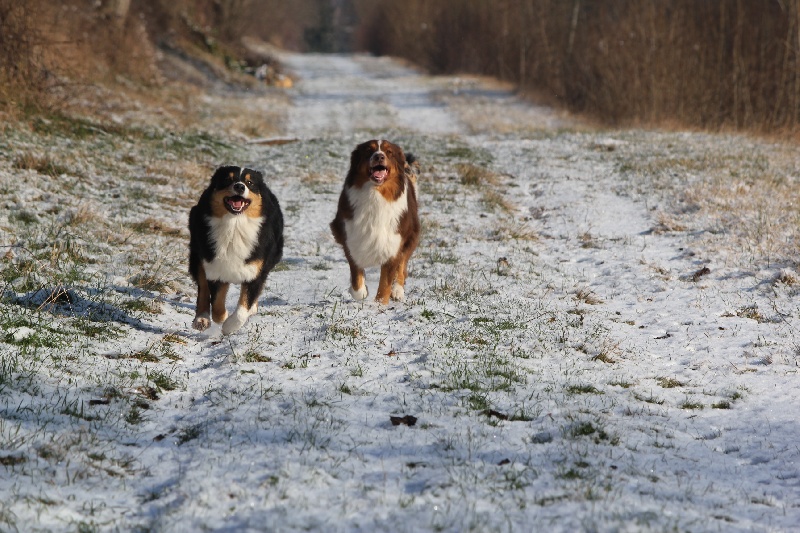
x=249, y=184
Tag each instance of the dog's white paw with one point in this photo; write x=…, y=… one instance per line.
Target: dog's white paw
x=398, y=292
x=359, y=294
x=235, y=321
x=201, y=322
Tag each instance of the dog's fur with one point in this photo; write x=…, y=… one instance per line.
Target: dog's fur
x=376, y=221
x=236, y=233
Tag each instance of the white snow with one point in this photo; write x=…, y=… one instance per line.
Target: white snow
x=640, y=394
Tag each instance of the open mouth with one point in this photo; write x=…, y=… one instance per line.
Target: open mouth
x=378, y=173
x=236, y=204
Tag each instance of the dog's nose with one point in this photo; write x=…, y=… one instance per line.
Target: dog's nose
x=378, y=158
x=238, y=188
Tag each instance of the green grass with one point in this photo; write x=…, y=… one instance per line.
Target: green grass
x=134, y=416
x=142, y=305
x=478, y=402
x=30, y=329
x=189, y=433
x=98, y=328
x=162, y=381
x=252, y=356
x=583, y=389
x=597, y=434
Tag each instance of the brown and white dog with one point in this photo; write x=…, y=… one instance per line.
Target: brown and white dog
x=377, y=222
x=236, y=232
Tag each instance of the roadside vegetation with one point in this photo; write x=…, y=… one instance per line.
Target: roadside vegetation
x=722, y=64
x=731, y=64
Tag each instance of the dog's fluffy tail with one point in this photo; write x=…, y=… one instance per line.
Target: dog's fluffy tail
x=412, y=168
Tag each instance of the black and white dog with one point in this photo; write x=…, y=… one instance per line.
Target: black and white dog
x=236, y=233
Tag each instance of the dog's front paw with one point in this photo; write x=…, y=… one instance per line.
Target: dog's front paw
x=201, y=322
x=398, y=292
x=359, y=294
x=235, y=321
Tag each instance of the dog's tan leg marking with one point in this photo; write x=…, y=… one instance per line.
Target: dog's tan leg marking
x=388, y=275
x=240, y=316
x=218, y=311
x=203, y=307
x=258, y=263
x=398, y=287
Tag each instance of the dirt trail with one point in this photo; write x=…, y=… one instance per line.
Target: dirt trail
x=346, y=94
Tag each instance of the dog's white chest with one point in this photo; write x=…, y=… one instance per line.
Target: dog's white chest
x=233, y=237
x=372, y=235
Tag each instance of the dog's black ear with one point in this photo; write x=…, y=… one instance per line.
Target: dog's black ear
x=222, y=174
x=255, y=175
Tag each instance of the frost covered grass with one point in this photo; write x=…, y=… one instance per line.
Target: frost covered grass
x=561, y=359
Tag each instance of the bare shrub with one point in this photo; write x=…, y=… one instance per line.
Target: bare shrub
x=730, y=63
x=51, y=51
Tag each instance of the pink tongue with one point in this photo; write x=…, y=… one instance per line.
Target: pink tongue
x=380, y=174
x=236, y=204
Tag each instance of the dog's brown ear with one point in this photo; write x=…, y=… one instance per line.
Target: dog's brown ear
x=356, y=157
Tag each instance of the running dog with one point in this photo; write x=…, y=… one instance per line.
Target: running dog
x=376, y=221
x=236, y=236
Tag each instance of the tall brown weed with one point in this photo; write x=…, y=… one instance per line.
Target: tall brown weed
x=726, y=63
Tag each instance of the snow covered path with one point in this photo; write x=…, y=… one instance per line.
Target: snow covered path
x=343, y=94
x=658, y=360
x=579, y=349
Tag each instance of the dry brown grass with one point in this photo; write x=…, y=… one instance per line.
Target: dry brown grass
x=719, y=64
x=736, y=195
x=667, y=223
x=84, y=215
x=584, y=294
x=317, y=179
x=475, y=175
x=43, y=164
x=152, y=225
